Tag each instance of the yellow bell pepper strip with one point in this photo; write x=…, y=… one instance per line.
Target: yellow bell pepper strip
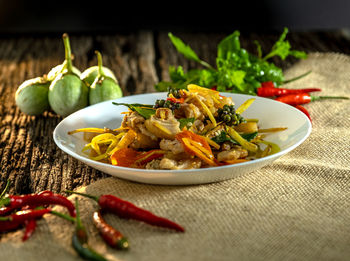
x=94, y=130
x=245, y=105
x=243, y=142
x=196, y=145
x=103, y=138
x=208, y=112
x=212, y=143
x=272, y=129
x=125, y=141
x=235, y=161
x=106, y=138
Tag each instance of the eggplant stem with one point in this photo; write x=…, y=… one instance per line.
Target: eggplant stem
x=68, y=52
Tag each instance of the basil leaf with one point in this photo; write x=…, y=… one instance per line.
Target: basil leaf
x=222, y=137
x=229, y=45
x=186, y=122
x=186, y=50
x=145, y=110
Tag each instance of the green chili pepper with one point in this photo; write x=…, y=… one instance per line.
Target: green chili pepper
x=80, y=240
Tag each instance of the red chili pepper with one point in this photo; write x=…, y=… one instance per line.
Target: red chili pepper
x=125, y=209
x=34, y=200
x=148, y=156
x=268, y=84
x=176, y=100
x=272, y=91
x=110, y=235
x=303, y=98
x=15, y=220
x=214, y=88
x=302, y=109
x=30, y=228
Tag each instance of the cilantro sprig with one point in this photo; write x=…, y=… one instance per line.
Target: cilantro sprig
x=236, y=70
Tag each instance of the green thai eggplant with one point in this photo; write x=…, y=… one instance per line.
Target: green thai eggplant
x=67, y=92
x=103, y=88
x=32, y=96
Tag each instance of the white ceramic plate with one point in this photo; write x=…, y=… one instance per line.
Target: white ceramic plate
x=269, y=112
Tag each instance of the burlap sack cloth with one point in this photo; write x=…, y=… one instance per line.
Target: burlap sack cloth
x=298, y=208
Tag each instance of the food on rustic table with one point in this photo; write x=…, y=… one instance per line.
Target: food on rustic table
x=194, y=128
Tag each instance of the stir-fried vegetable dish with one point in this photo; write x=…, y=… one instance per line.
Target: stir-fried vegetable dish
x=193, y=128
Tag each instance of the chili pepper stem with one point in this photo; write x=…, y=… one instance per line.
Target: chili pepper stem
x=316, y=98
x=68, y=53
x=3, y=193
x=83, y=194
x=297, y=78
x=64, y=216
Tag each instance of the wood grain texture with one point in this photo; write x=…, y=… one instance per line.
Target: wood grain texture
x=28, y=154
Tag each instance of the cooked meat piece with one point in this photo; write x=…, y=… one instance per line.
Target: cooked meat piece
x=136, y=122
x=144, y=142
x=166, y=163
x=192, y=111
x=154, y=164
x=163, y=124
x=233, y=154
x=132, y=120
x=173, y=145
x=215, y=132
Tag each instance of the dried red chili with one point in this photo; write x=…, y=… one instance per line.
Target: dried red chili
x=110, y=235
x=125, y=209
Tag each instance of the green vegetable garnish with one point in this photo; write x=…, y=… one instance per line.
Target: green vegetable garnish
x=144, y=110
x=236, y=69
x=186, y=122
x=223, y=136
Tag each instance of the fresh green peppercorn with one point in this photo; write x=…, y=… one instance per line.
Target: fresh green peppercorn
x=228, y=115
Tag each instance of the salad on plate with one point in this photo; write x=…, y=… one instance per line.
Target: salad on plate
x=189, y=129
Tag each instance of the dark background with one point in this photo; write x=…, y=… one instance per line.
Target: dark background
x=28, y=17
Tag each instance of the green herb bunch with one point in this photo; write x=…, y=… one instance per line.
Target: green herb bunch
x=236, y=70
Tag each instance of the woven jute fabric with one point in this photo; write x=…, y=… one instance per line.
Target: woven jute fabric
x=297, y=208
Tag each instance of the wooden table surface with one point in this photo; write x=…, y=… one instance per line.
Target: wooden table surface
x=28, y=155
